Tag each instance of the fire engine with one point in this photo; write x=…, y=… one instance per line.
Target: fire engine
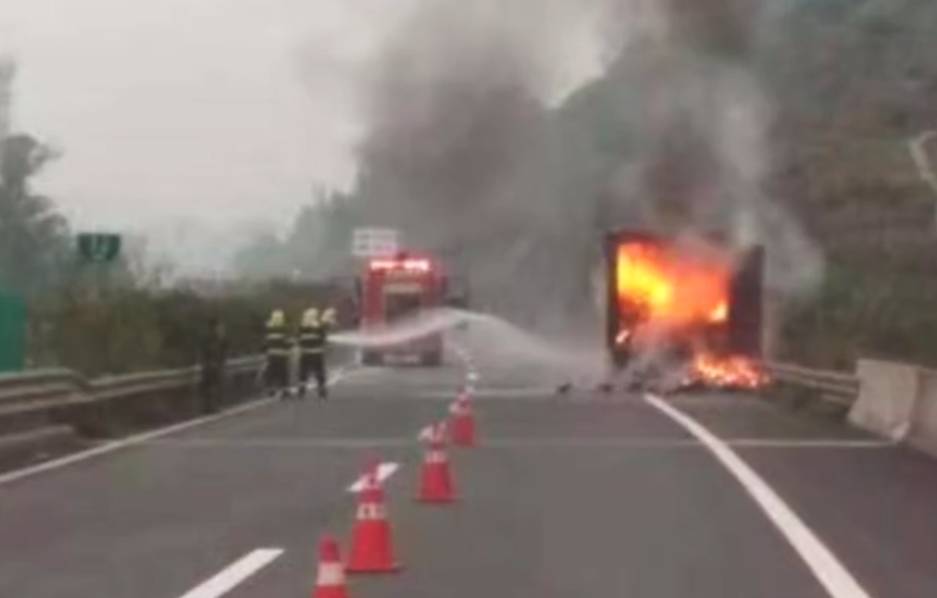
x=397, y=288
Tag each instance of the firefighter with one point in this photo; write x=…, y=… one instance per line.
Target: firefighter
x=277, y=347
x=313, y=335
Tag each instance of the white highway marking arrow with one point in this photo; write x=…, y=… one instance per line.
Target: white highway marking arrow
x=425, y=434
x=229, y=578
x=384, y=471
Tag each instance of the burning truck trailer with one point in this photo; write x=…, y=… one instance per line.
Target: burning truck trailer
x=683, y=314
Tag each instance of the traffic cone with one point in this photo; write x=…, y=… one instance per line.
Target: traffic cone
x=371, y=538
x=462, y=421
x=436, y=478
x=330, y=581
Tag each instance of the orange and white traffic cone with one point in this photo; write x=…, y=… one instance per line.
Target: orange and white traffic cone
x=462, y=421
x=436, y=484
x=372, y=548
x=330, y=580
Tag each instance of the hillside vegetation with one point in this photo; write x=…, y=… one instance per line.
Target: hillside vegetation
x=854, y=81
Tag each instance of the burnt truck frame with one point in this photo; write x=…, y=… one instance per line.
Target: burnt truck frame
x=744, y=325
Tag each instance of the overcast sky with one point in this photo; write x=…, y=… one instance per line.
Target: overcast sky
x=222, y=112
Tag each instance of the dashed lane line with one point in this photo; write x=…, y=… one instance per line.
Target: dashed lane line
x=384, y=471
x=233, y=575
x=829, y=571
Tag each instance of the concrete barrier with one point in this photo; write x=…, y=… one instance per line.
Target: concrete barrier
x=888, y=395
x=923, y=432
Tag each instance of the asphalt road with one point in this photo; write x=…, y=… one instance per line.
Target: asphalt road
x=583, y=495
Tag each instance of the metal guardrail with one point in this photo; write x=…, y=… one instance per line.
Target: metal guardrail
x=10, y=381
x=146, y=381
x=68, y=385
x=838, y=387
x=39, y=386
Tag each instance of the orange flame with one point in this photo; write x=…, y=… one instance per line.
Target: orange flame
x=671, y=289
x=734, y=371
x=720, y=313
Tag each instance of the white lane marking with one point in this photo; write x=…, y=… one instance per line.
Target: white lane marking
x=472, y=376
x=829, y=571
x=507, y=441
x=505, y=394
x=115, y=445
x=425, y=434
x=237, y=572
x=733, y=402
x=356, y=444
x=589, y=443
x=638, y=443
x=809, y=443
x=384, y=471
x=360, y=443
x=283, y=443
x=119, y=444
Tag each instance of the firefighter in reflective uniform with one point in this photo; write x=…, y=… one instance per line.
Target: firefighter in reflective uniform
x=277, y=348
x=313, y=335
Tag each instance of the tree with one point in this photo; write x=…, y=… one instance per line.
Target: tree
x=33, y=236
x=319, y=243
x=263, y=256
x=316, y=247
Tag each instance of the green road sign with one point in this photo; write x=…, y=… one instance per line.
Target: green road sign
x=12, y=333
x=98, y=247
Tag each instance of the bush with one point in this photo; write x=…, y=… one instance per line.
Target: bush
x=880, y=312
x=136, y=329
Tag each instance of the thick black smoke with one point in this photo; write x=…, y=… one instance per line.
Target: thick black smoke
x=466, y=153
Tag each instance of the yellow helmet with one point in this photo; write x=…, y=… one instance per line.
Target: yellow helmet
x=328, y=316
x=311, y=317
x=277, y=319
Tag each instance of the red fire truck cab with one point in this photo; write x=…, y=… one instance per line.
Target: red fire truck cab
x=399, y=288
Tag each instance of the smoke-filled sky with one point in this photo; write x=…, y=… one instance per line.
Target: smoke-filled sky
x=225, y=111
x=197, y=120
x=463, y=154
